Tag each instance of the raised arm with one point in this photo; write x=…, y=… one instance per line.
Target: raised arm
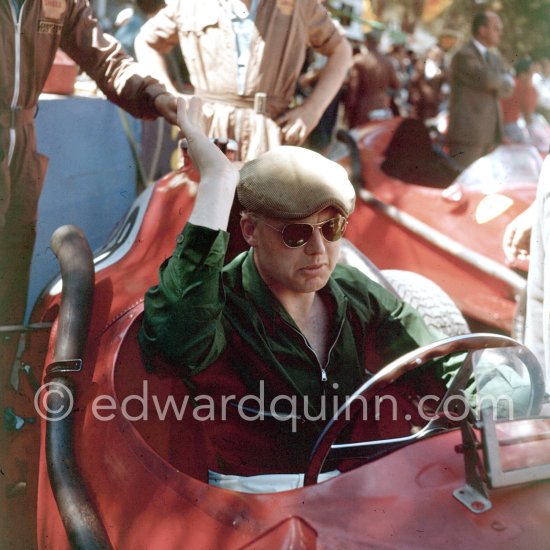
x=218, y=176
x=121, y=79
x=183, y=313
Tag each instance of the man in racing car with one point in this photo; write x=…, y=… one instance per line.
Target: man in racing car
x=279, y=336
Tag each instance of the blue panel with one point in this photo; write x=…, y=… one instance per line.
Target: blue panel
x=91, y=179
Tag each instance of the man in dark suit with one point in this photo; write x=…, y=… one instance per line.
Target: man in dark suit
x=478, y=79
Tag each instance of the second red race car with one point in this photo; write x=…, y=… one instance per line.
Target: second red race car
x=416, y=211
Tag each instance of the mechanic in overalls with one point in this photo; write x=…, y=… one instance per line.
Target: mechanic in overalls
x=30, y=34
x=237, y=51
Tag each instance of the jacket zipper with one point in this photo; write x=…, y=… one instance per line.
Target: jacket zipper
x=323, y=369
x=17, y=72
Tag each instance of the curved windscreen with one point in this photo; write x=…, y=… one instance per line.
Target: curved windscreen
x=505, y=166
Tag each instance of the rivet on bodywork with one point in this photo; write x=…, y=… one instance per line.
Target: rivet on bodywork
x=498, y=525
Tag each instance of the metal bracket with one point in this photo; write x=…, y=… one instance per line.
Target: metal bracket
x=474, y=493
x=63, y=367
x=472, y=499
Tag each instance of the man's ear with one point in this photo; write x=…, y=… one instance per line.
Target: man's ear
x=248, y=229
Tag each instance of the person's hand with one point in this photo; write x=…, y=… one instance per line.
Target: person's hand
x=166, y=105
x=296, y=124
x=218, y=176
x=207, y=158
x=517, y=238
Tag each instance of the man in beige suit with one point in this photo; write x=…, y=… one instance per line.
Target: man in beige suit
x=478, y=79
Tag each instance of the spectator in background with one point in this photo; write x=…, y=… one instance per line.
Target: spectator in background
x=426, y=86
x=518, y=109
x=522, y=124
x=236, y=49
x=401, y=62
x=130, y=20
x=477, y=78
x=372, y=84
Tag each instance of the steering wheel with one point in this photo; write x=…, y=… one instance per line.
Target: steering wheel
x=325, y=448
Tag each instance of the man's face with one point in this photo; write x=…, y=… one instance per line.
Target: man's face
x=294, y=270
x=489, y=34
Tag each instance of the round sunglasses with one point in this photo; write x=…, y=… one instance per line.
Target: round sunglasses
x=296, y=235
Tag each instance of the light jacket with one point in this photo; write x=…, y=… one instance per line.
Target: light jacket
x=281, y=33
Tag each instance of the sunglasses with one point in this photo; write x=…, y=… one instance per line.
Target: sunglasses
x=296, y=235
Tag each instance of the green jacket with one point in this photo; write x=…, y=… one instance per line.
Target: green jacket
x=199, y=303
x=226, y=334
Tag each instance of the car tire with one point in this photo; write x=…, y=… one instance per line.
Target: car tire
x=436, y=307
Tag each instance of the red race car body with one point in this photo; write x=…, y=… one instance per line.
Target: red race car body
x=118, y=472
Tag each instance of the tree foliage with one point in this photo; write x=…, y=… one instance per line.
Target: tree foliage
x=526, y=24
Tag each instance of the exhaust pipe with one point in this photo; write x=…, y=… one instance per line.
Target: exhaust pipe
x=83, y=526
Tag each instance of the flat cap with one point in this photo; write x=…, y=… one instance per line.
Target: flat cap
x=292, y=183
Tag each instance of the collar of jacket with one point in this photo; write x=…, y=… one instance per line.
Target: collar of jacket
x=258, y=293
x=481, y=49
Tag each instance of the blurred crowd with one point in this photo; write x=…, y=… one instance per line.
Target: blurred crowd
x=404, y=81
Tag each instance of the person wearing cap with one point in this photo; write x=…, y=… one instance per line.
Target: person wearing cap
x=283, y=329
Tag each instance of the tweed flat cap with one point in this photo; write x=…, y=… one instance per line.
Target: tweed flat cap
x=292, y=183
